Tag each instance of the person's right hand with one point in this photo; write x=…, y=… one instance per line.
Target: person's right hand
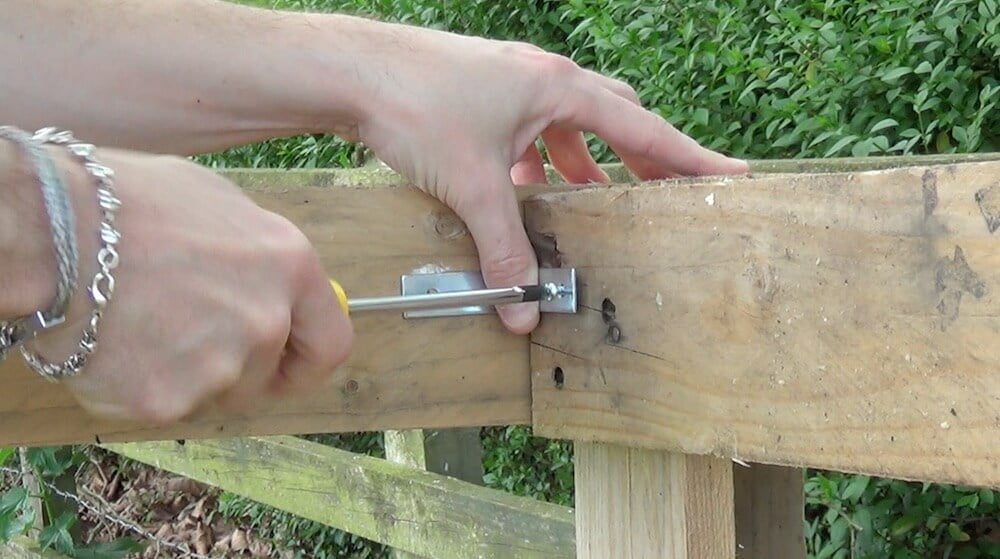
x=216, y=299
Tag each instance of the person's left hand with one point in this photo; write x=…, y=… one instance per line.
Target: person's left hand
x=459, y=117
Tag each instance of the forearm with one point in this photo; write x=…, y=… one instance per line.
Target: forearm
x=178, y=76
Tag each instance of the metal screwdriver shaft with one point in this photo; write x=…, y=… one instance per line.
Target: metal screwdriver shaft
x=499, y=296
x=465, y=293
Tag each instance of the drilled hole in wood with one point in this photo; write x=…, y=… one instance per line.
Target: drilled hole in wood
x=557, y=377
x=608, y=311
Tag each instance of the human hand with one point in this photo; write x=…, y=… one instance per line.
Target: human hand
x=459, y=117
x=216, y=299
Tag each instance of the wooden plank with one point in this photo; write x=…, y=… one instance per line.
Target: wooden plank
x=417, y=511
x=843, y=321
x=367, y=237
x=770, y=512
x=634, y=502
x=22, y=547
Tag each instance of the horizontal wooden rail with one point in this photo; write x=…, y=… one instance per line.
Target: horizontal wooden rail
x=846, y=321
x=409, y=509
x=23, y=547
x=805, y=318
x=367, y=238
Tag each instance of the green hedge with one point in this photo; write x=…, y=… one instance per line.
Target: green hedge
x=751, y=78
x=758, y=79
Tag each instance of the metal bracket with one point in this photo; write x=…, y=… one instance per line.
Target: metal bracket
x=560, y=284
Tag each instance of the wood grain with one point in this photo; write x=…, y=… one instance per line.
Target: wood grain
x=413, y=510
x=639, y=503
x=23, y=547
x=770, y=512
x=847, y=321
x=462, y=371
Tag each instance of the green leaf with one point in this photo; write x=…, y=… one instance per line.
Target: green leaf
x=13, y=499
x=969, y=501
x=16, y=524
x=863, y=148
x=811, y=72
x=839, y=530
x=5, y=454
x=856, y=488
x=841, y=143
x=896, y=73
x=943, y=144
x=47, y=461
x=883, y=124
x=903, y=524
x=56, y=535
x=957, y=533
x=987, y=497
x=923, y=68
x=700, y=116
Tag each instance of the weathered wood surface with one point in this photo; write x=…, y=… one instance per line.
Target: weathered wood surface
x=26, y=548
x=368, y=233
x=409, y=509
x=367, y=238
x=770, y=512
x=456, y=453
x=845, y=321
x=642, y=503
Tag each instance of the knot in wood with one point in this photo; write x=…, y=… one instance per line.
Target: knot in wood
x=448, y=226
x=351, y=386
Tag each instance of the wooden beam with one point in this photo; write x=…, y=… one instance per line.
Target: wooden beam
x=409, y=509
x=844, y=321
x=770, y=512
x=368, y=232
x=23, y=547
x=633, y=502
x=474, y=373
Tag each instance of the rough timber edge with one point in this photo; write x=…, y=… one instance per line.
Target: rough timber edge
x=378, y=175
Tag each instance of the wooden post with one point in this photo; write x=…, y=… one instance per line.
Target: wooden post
x=456, y=453
x=640, y=503
x=770, y=512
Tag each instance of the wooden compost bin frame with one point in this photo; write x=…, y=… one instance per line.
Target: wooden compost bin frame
x=698, y=380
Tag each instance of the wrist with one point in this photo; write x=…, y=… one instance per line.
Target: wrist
x=27, y=280
x=342, y=60
x=28, y=273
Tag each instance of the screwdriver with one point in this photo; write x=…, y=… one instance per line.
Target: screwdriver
x=496, y=296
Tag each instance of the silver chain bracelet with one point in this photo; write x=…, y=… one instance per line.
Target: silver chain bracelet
x=63, y=224
x=103, y=284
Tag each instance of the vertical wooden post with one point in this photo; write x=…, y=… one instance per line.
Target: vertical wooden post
x=452, y=452
x=770, y=512
x=638, y=503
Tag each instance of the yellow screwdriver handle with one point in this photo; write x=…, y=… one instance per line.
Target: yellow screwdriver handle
x=341, y=296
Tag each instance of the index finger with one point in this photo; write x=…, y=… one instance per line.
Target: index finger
x=630, y=129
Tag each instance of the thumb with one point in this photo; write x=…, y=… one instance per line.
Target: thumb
x=506, y=257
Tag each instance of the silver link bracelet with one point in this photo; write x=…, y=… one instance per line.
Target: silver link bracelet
x=63, y=224
x=103, y=284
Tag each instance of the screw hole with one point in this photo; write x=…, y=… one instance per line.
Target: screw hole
x=608, y=310
x=558, y=377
